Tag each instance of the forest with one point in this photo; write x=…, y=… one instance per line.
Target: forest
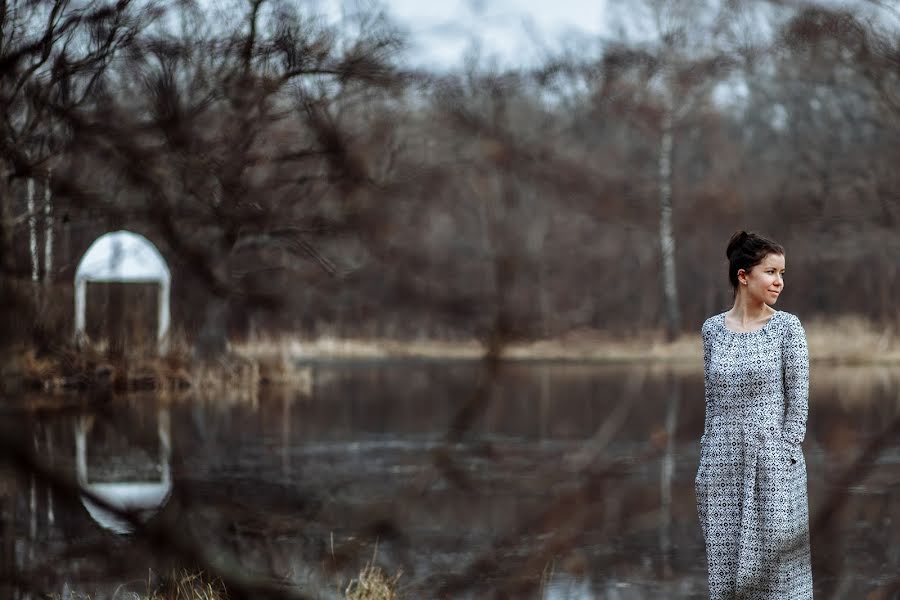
x=301, y=181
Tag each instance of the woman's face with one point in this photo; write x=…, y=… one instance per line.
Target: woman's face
x=765, y=281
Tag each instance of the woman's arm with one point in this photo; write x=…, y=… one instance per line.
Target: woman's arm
x=795, y=361
x=707, y=384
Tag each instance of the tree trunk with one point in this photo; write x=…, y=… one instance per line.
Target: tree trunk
x=48, y=231
x=7, y=264
x=666, y=234
x=32, y=232
x=212, y=340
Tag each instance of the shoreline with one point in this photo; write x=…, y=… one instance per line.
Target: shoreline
x=846, y=342
x=359, y=349
x=285, y=360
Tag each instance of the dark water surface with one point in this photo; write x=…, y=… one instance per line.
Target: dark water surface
x=539, y=481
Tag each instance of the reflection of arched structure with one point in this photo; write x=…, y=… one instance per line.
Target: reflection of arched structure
x=142, y=497
x=123, y=256
x=563, y=586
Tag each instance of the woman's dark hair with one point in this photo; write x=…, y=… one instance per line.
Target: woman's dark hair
x=746, y=249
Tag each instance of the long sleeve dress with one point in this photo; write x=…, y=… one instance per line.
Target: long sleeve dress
x=751, y=482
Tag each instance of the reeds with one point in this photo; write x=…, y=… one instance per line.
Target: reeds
x=852, y=340
x=845, y=340
x=188, y=586
x=372, y=584
x=178, y=585
x=67, y=368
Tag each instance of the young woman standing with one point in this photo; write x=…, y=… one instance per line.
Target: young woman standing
x=751, y=482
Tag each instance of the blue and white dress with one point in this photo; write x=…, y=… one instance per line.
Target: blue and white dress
x=751, y=482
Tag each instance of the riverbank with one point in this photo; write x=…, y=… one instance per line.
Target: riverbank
x=847, y=341
x=371, y=584
x=284, y=360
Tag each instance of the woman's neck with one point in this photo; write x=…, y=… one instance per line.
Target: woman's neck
x=744, y=312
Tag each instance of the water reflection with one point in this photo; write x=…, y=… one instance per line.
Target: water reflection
x=121, y=491
x=563, y=586
x=667, y=473
x=564, y=460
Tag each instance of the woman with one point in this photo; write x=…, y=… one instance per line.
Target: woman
x=751, y=483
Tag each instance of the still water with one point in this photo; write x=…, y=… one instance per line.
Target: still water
x=534, y=481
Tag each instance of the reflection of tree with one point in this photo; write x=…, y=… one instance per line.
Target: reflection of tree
x=559, y=517
x=667, y=467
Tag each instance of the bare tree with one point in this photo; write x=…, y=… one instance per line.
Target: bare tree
x=52, y=56
x=681, y=65
x=229, y=141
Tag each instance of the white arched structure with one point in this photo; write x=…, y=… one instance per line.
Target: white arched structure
x=123, y=256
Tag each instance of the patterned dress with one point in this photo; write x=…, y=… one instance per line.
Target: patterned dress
x=751, y=482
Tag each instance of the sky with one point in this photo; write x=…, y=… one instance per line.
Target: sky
x=508, y=33
x=519, y=33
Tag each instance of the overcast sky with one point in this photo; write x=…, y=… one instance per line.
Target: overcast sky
x=511, y=32
x=517, y=33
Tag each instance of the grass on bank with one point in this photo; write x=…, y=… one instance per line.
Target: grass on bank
x=188, y=586
x=91, y=367
x=846, y=340
x=371, y=584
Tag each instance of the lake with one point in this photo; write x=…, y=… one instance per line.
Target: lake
x=534, y=480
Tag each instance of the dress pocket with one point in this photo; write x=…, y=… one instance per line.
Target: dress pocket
x=790, y=452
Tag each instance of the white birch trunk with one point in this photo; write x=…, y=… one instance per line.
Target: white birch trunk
x=32, y=231
x=666, y=234
x=48, y=231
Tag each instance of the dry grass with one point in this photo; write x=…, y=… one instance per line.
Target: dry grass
x=845, y=340
x=338, y=348
x=853, y=340
x=372, y=584
x=842, y=341
x=598, y=346
x=91, y=366
x=181, y=585
x=579, y=345
x=188, y=586
x=38, y=368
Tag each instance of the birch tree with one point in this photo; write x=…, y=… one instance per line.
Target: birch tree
x=682, y=66
x=53, y=54
x=48, y=230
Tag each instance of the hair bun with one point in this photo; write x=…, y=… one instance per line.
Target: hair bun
x=736, y=241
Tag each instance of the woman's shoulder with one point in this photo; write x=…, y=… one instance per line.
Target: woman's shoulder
x=791, y=326
x=788, y=318
x=710, y=323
